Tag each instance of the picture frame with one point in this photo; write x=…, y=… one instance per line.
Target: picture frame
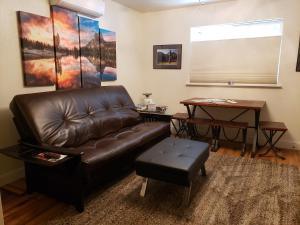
x=167, y=56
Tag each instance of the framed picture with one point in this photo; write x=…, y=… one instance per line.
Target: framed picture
x=37, y=50
x=167, y=56
x=90, y=52
x=108, y=62
x=66, y=43
x=298, y=60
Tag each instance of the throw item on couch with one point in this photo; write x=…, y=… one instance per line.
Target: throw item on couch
x=99, y=125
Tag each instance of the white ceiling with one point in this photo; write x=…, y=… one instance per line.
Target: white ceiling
x=157, y=5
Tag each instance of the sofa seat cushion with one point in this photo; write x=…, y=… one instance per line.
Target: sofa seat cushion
x=102, y=151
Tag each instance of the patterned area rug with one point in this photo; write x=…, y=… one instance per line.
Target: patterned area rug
x=236, y=191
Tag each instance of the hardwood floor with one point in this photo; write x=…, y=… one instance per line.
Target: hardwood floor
x=35, y=209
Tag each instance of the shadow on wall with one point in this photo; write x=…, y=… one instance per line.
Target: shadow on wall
x=8, y=132
x=8, y=136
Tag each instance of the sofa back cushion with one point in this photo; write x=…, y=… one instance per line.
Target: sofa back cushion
x=71, y=117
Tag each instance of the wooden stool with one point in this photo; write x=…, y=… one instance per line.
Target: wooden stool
x=273, y=128
x=182, y=123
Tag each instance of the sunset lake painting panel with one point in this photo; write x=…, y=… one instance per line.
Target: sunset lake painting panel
x=90, y=52
x=66, y=42
x=37, y=50
x=108, y=55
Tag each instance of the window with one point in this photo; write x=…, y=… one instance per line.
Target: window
x=239, y=53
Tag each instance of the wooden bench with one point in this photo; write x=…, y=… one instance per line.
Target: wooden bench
x=222, y=124
x=201, y=122
x=217, y=126
x=272, y=128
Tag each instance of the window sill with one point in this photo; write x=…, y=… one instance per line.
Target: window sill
x=276, y=86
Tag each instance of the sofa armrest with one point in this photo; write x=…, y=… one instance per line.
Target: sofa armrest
x=46, y=148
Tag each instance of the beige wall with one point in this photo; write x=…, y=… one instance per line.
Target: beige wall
x=124, y=21
x=11, y=80
x=128, y=25
x=173, y=27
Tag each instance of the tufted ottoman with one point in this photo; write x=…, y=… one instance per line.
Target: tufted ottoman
x=173, y=160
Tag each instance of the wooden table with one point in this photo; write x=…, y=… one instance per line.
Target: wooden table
x=243, y=105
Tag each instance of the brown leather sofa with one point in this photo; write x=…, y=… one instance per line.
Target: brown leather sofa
x=98, y=128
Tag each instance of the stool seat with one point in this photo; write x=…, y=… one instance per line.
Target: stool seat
x=268, y=125
x=180, y=116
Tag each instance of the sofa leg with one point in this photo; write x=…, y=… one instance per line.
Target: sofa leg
x=29, y=179
x=79, y=202
x=79, y=193
x=80, y=206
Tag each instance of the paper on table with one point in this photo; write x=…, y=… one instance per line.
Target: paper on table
x=214, y=100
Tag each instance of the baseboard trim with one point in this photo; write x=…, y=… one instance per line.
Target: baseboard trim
x=11, y=176
x=289, y=145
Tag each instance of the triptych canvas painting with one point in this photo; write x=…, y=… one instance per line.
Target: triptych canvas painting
x=69, y=51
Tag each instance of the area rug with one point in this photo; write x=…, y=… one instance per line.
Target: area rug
x=236, y=191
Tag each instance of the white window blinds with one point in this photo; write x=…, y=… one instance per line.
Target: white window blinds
x=246, y=53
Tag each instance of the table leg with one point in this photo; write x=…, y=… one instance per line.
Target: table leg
x=255, y=136
x=191, y=127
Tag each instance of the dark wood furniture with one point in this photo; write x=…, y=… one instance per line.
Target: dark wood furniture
x=243, y=105
x=151, y=116
x=39, y=173
x=216, y=127
x=26, y=154
x=192, y=125
x=273, y=128
x=173, y=160
x=219, y=125
x=182, y=119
